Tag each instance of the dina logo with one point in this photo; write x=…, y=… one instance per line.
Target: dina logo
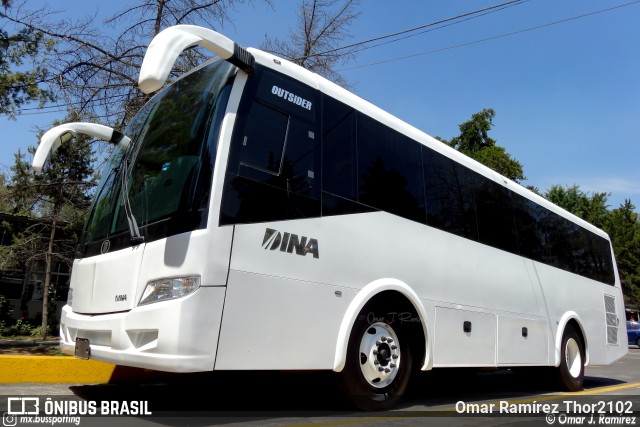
x=289, y=242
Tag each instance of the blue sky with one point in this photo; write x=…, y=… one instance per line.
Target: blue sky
x=566, y=96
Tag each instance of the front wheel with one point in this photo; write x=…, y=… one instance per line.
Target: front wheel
x=572, y=357
x=379, y=363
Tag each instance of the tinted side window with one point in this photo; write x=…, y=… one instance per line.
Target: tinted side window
x=579, y=245
x=339, y=150
x=559, y=241
x=532, y=236
x=449, y=195
x=263, y=139
x=389, y=170
x=496, y=224
x=600, y=260
x=590, y=254
x=551, y=239
x=274, y=160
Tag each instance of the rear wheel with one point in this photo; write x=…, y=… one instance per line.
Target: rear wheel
x=379, y=362
x=572, y=357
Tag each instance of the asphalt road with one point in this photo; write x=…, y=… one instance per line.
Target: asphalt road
x=611, y=396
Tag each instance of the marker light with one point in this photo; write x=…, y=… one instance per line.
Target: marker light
x=53, y=138
x=169, y=288
x=167, y=45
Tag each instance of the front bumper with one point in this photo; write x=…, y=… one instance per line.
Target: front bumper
x=174, y=336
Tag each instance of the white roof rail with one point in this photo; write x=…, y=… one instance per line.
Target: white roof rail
x=165, y=48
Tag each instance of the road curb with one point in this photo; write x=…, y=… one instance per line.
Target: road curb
x=53, y=369
x=15, y=369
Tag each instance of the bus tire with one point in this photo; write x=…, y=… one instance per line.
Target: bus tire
x=379, y=362
x=570, y=373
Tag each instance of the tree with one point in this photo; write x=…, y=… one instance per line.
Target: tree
x=95, y=69
x=4, y=194
x=315, y=41
x=57, y=200
x=5, y=227
x=18, y=85
x=475, y=142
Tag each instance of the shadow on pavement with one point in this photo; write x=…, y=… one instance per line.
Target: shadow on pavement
x=248, y=396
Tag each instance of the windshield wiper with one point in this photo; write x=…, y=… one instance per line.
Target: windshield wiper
x=134, y=231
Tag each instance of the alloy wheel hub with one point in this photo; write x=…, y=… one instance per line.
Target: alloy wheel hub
x=380, y=356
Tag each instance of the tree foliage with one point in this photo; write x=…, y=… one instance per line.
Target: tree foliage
x=56, y=200
x=5, y=205
x=19, y=83
x=95, y=65
x=475, y=142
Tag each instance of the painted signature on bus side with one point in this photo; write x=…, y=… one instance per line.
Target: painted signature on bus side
x=391, y=317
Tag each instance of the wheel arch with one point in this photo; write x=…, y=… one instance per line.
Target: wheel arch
x=570, y=318
x=362, y=298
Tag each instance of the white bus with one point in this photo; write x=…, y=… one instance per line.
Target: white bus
x=259, y=217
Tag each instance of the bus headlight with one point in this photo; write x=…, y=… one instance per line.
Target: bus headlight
x=169, y=288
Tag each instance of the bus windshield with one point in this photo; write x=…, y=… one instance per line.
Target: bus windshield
x=169, y=163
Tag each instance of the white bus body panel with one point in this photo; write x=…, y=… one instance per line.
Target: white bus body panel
x=570, y=296
x=455, y=347
x=355, y=250
x=179, y=335
x=272, y=322
x=514, y=347
x=291, y=298
x=106, y=283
